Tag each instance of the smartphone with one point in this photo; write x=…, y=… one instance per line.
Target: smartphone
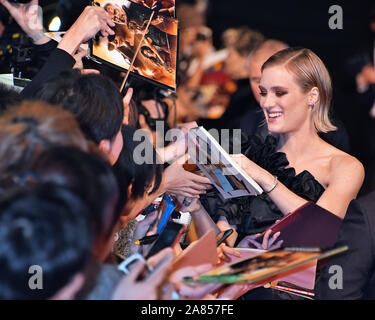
x=150, y=209
x=169, y=237
x=125, y=266
x=167, y=206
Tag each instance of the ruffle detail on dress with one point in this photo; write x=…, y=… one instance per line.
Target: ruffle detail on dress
x=255, y=214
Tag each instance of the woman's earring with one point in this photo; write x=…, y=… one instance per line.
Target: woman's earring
x=312, y=105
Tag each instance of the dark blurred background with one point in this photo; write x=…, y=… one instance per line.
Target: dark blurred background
x=305, y=23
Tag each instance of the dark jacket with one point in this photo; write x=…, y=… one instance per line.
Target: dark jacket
x=357, y=232
x=58, y=61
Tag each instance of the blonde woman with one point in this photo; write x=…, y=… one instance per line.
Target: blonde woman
x=293, y=165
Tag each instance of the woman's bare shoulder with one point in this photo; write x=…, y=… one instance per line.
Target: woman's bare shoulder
x=343, y=163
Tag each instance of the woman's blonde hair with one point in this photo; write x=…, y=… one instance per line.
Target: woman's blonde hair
x=309, y=72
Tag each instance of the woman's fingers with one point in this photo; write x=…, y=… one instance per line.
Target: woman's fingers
x=188, y=195
x=89, y=71
x=7, y=5
x=191, y=193
x=107, y=19
x=108, y=30
x=277, y=244
x=135, y=272
x=229, y=250
x=147, y=221
x=160, y=272
x=265, y=243
x=104, y=33
x=192, y=290
x=201, y=180
x=197, y=187
x=255, y=244
x=273, y=239
x=128, y=96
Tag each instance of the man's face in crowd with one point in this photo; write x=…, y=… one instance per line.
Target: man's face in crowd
x=235, y=64
x=255, y=66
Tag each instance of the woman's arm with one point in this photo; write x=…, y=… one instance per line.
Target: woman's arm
x=286, y=200
x=345, y=180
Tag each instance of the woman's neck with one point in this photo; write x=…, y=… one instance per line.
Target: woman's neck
x=299, y=144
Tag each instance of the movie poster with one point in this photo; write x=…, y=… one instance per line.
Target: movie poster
x=155, y=55
x=162, y=6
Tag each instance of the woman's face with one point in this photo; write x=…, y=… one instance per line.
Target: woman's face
x=134, y=206
x=285, y=106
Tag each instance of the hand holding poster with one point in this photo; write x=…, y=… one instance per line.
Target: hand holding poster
x=144, y=42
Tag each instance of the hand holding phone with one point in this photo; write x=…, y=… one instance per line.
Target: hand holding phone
x=137, y=285
x=167, y=238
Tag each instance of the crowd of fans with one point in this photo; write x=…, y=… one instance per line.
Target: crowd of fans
x=73, y=192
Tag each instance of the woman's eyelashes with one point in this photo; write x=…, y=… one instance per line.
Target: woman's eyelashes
x=278, y=93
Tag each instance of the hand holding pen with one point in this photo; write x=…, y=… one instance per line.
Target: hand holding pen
x=144, y=227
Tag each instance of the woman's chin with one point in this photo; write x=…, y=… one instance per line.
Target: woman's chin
x=275, y=129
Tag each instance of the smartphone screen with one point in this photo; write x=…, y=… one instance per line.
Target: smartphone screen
x=167, y=238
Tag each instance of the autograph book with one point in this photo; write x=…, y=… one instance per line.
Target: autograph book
x=225, y=174
x=265, y=267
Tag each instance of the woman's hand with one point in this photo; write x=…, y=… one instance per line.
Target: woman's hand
x=148, y=289
x=192, y=290
x=224, y=225
x=181, y=182
x=176, y=151
x=261, y=176
x=286, y=200
x=147, y=226
x=267, y=243
x=223, y=251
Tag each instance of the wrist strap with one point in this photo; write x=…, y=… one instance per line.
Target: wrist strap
x=274, y=185
x=38, y=36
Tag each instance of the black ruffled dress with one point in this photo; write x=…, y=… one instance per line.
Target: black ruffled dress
x=255, y=214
